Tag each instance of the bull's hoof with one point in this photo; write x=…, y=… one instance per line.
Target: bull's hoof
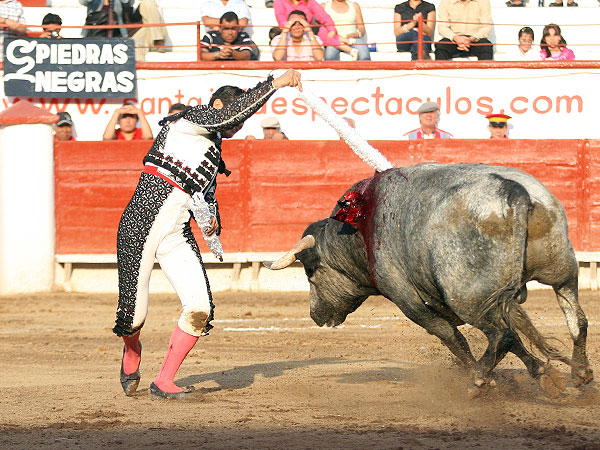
x=581, y=375
x=552, y=381
x=479, y=387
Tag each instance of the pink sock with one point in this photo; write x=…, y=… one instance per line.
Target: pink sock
x=131, y=359
x=180, y=345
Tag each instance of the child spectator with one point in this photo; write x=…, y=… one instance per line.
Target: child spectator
x=554, y=46
x=523, y=51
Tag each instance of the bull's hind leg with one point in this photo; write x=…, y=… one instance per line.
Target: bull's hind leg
x=567, y=296
x=551, y=380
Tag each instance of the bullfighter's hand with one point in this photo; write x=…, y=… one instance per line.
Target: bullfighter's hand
x=290, y=78
x=214, y=226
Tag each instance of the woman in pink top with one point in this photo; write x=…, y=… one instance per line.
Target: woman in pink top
x=313, y=10
x=554, y=46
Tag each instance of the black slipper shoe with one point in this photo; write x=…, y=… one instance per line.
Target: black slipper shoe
x=130, y=382
x=158, y=394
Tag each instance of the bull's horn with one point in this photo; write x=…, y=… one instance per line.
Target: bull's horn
x=307, y=241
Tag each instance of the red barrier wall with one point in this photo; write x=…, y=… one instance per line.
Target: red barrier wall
x=278, y=187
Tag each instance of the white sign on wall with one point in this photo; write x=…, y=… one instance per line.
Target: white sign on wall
x=543, y=103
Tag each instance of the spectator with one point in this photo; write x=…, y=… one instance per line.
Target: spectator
x=406, y=19
x=176, y=107
x=316, y=16
x=523, y=51
x=297, y=41
x=11, y=20
x=275, y=31
x=348, y=20
x=498, y=125
x=429, y=116
x=213, y=10
x=554, y=46
x=51, y=26
x=228, y=43
x=127, y=118
x=571, y=3
x=63, y=130
x=271, y=129
x=464, y=26
x=146, y=38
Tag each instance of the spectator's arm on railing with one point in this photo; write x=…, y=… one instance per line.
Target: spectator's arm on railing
x=486, y=22
x=443, y=21
x=317, y=48
x=360, y=22
x=12, y=25
x=280, y=46
x=398, y=25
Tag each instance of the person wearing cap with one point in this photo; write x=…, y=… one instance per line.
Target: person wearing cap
x=63, y=131
x=429, y=116
x=127, y=118
x=51, y=26
x=498, y=125
x=272, y=129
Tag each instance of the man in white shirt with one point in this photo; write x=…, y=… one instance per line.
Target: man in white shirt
x=213, y=10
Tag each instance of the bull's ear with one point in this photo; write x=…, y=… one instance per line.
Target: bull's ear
x=307, y=241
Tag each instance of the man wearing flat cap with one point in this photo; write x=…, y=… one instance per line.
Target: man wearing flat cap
x=429, y=115
x=272, y=129
x=498, y=125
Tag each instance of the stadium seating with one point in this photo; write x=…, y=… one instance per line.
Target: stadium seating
x=580, y=25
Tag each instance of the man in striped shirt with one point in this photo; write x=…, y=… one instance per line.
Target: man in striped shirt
x=228, y=43
x=11, y=20
x=429, y=115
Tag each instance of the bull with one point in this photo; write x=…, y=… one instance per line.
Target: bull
x=449, y=245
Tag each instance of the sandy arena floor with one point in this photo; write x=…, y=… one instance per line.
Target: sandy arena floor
x=270, y=379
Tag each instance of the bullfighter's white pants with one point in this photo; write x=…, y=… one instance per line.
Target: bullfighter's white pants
x=156, y=224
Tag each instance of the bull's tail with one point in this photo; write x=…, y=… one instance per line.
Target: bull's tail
x=504, y=302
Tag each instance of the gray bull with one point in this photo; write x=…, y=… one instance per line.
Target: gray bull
x=451, y=244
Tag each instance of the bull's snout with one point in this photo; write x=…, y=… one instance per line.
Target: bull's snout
x=326, y=318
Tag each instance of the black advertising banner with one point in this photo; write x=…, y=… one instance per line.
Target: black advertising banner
x=74, y=68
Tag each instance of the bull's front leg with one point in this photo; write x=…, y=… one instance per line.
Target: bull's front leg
x=440, y=327
x=500, y=342
x=567, y=296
